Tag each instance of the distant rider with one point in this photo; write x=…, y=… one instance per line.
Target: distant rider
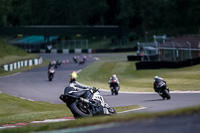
x=75, y=59
x=51, y=71
x=73, y=77
x=114, y=77
x=156, y=81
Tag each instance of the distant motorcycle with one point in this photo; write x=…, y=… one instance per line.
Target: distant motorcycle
x=51, y=73
x=81, y=62
x=114, y=87
x=84, y=58
x=58, y=63
x=162, y=89
x=75, y=59
x=86, y=103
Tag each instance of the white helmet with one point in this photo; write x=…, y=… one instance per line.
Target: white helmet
x=114, y=75
x=156, y=77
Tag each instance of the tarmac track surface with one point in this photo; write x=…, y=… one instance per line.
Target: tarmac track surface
x=34, y=85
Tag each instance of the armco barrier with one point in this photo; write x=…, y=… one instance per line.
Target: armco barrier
x=142, y=58
x=19, y=64
x=165, y=64
x=134, y=58
x=65, y=51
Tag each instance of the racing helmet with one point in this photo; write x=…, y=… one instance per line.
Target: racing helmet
x=74, y=75
x=114, y=75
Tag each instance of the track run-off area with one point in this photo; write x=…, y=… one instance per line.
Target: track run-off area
x=34, y=85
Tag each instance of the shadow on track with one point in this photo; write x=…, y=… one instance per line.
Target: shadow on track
x=153, y=100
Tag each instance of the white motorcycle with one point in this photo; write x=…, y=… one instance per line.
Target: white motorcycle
x=85, y=103
x=51, y=74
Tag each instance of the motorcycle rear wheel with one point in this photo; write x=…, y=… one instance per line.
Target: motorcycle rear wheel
x=78, y=110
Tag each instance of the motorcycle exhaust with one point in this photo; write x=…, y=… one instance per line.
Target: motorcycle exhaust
x=84, y=100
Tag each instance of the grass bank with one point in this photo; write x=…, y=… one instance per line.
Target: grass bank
x=16, y=110
x=10, y=53
x=98, y=74
x=102, y=120
x=7, y=49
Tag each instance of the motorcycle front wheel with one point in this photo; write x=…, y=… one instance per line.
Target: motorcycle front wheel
x=50, y=79
x=116, y=91
x=166, y=93
x=78, y=109
x=111, y=110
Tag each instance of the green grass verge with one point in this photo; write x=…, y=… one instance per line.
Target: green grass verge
x=98, y=74
x=15, y=110
x=14, y=58
x=102, y=120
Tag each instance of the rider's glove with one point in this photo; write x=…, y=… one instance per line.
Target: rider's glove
x=94, y=89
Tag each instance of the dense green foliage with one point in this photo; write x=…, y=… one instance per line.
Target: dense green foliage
x=141, y=16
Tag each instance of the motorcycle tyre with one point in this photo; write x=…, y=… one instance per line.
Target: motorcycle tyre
x=50, y=79
x=111, y=110
x=116, y=92
x=77, y=112
x=167, y=95
x=112, y=92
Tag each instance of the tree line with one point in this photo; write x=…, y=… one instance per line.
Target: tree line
x=139, y=16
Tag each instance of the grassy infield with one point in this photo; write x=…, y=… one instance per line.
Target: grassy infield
x=141, y=81
x=14, y=110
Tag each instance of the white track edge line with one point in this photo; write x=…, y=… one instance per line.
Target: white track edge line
x=132, y=110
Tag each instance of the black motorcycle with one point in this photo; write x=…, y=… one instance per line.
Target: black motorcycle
x=75, y=59
x=114, y=87
x=85, y=103
x=162, y=89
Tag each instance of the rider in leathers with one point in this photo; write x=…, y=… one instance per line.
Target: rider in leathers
x=114, y=77
x=156, y=81
x=76, y=89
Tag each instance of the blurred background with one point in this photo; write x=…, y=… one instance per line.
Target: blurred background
x=135, y=20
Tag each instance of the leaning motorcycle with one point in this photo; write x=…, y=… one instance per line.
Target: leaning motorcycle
x=114, y=87
x=51, y=74
x=163, y=90
x=80, y=106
